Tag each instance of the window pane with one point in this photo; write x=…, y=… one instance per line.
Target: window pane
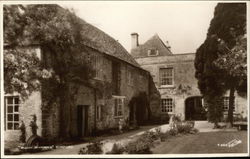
x=9, y=100
x=16, y=108
x=16, y=117
x=16, y=100
x=10, y=117
x=10, y=126
x=16, y=126
x=10, y=109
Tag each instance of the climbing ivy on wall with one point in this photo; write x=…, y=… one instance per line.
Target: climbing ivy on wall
x=57, y=32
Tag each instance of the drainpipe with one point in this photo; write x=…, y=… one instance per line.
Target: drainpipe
x=149, y=94
x=95, y=110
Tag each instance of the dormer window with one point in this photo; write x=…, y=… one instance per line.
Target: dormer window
x=153, y=52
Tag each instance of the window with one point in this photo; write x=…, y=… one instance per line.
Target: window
x=119, y=104
x=12, y=104
x=99, y=112
x=153, y=52
x=166, y=76
x=97, y=65
x=167, y=105
x=226, y=104
x=130, y=77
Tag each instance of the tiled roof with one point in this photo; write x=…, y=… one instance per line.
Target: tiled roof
x=154, y=42
x=97, y=39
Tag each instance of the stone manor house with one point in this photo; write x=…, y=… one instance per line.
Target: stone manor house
x=174, y=77
x=96, y=106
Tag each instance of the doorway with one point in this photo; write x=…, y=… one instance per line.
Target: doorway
x=194, y=109
x=82, y=120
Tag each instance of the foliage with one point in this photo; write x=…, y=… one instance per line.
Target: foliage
x=117, y=149
x=57, y=31
x=173, y=132
x=139, y=146
x=184, y=128
x=143, y=143
x=215, y=108
x=22, y=128
x=33, y=125
x=22, y=72
x=93, y=148
x=221, y=59
x=183, y=89
x=191, y=123
x=233, y=61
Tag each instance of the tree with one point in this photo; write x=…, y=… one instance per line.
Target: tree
x=234, y=63
x=210, y=78
x=216, y=65
x=57, y=31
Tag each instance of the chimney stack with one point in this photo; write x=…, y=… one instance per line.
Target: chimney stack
x=134, y=40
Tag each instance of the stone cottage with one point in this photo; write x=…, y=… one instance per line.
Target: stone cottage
x=91, y=106
x=174, y=77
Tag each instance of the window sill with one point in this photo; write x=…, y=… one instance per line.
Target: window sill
x=12, y=130
x=167, y=113
x=226, y=112
x=166, y=86
x=117, y=117
x=97, y=78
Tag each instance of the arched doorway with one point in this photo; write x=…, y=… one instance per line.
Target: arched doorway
x=194, y=109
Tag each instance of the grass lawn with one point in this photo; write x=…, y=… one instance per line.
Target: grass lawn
x=204, y=142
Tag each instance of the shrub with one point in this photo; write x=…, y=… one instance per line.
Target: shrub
x=117, y=149
x=184, y=128
x=93, y=148
x=173, y=132
x=193, y=131
x=191, y=123
x=149, y=136
x=139, y=146
x=164, y=136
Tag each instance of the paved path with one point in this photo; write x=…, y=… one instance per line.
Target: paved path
x=205, y=126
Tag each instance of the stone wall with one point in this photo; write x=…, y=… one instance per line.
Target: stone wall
x=97, y=91
x=184, y=71
x=27, y=108
x=30, y=106
x=184, y=75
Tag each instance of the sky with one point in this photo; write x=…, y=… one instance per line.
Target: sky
x=183, y=24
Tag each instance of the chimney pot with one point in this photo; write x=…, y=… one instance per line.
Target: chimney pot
x=134, y=40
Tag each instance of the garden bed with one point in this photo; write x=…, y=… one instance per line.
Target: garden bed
x=139, y=144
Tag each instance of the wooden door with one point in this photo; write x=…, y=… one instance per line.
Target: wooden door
x=82, y=120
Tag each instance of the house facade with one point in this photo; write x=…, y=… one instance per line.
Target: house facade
x=174, y=77
x=90, y=106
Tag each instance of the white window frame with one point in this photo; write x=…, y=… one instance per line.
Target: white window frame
x=160, y=77
x=226, y=104
x=149, y=52
x=120, y=102
x=166, y=106
x=13, y=105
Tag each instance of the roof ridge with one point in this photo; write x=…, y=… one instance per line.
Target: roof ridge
x=158, y=37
